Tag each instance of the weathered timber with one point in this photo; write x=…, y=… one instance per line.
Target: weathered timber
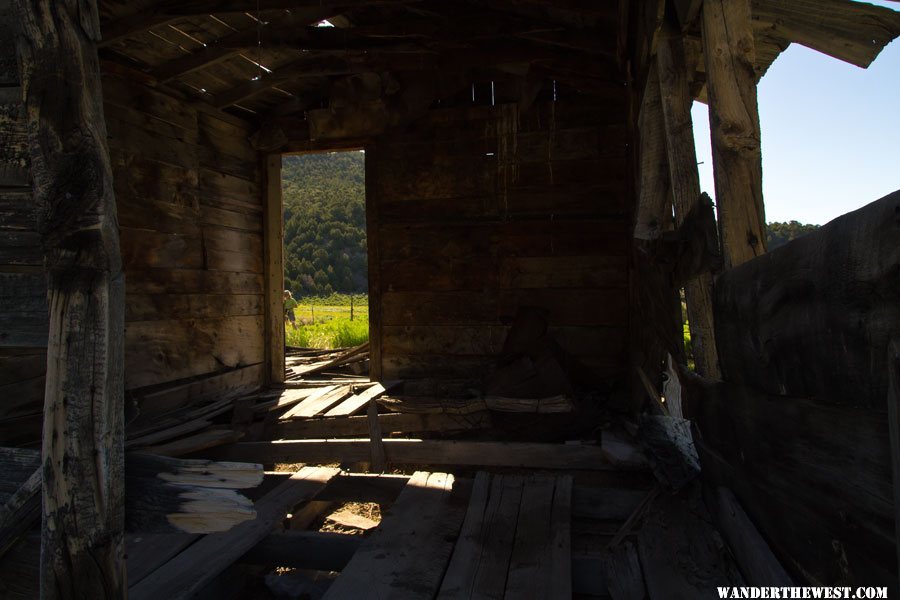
x=893, y=402
x=422, y=452
x=814, y=318
x=313, y=550
x=817, y=484
x=19, y=511
x=515, y=541
x=358, y=400
x=163, y=495
x=179, y=578
x=383, y=566
x=379, y=460
x=192, y=496
x=480, y=560
x=685, y=181
x=390, y=423
x=622, y=573
x=605, y=503
x=358, y=487
x=681, y=555
x=654, y=206
x=751, y=552
x=729, y=51
x=273, y=234
x=83, y=449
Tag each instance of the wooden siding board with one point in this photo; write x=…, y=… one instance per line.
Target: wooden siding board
x=481, y=211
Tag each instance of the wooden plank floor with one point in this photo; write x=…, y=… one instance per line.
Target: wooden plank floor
x=516, y=540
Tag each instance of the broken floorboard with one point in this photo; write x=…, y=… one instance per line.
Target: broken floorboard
x=424, y=452
x=389, y=564
x=188, y=572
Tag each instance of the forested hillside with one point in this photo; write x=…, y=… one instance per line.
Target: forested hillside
x=781, y=233
x=325, y=223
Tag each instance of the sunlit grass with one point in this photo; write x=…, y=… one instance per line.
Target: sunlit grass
x=327, y=324
x=334, y=333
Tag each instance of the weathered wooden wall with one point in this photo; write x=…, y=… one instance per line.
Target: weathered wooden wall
x=23, y=286
x=190, y=213
x=187, y=186
x=481, y=210
x=816, y=480
x=800, y=429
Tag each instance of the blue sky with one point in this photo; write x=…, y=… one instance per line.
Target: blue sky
x=830, y=134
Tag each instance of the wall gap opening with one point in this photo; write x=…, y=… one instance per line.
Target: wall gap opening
x=325, y=253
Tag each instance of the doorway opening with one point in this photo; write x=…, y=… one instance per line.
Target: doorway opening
x=325, y=250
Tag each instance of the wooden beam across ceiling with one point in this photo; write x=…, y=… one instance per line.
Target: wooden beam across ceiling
x=171, y=11
x=322, y=66
x=510, y=53
x=292, y=35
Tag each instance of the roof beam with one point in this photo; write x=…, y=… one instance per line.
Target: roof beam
x=320, y=66
x=171, y=11
x=239, y=41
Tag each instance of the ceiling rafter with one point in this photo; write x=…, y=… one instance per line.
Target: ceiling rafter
x=172, y=11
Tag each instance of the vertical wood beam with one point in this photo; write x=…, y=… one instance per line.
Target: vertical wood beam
x=654, y=209
x=685, y=181
x=372, y=241
x=893, y=402
x=83, y=439
x=273, y=233
x=730, y=55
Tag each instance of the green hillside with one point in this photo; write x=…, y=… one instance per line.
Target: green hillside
x=325, y=224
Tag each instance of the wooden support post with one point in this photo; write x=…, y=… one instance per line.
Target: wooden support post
x=83, y=442
x=379, y=461
x=273, y=232
x=730, y=54
x=893, y=402
x=654, y=210
x=685, y=181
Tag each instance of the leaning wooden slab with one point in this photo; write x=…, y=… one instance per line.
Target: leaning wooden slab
x=358, y=401
x=405, y=557
x=191, y=570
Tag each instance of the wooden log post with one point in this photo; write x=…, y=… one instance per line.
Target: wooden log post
x=730, y=55
x=273, y=232
x=685, y=181
x=654, y=209
x=83, y=440
x=893, y=406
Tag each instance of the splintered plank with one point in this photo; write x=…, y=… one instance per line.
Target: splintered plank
x=406, y=555
x=357, y=402
x=541, y=564
x=319, y=400
x=480, y=561
x=201, y=562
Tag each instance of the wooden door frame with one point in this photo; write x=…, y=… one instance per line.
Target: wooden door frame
x=273, y=248
x=273, y=232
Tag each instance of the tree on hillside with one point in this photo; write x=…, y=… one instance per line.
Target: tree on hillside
x=779, y=234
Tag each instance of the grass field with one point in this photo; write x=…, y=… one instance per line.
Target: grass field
x=326, y=322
